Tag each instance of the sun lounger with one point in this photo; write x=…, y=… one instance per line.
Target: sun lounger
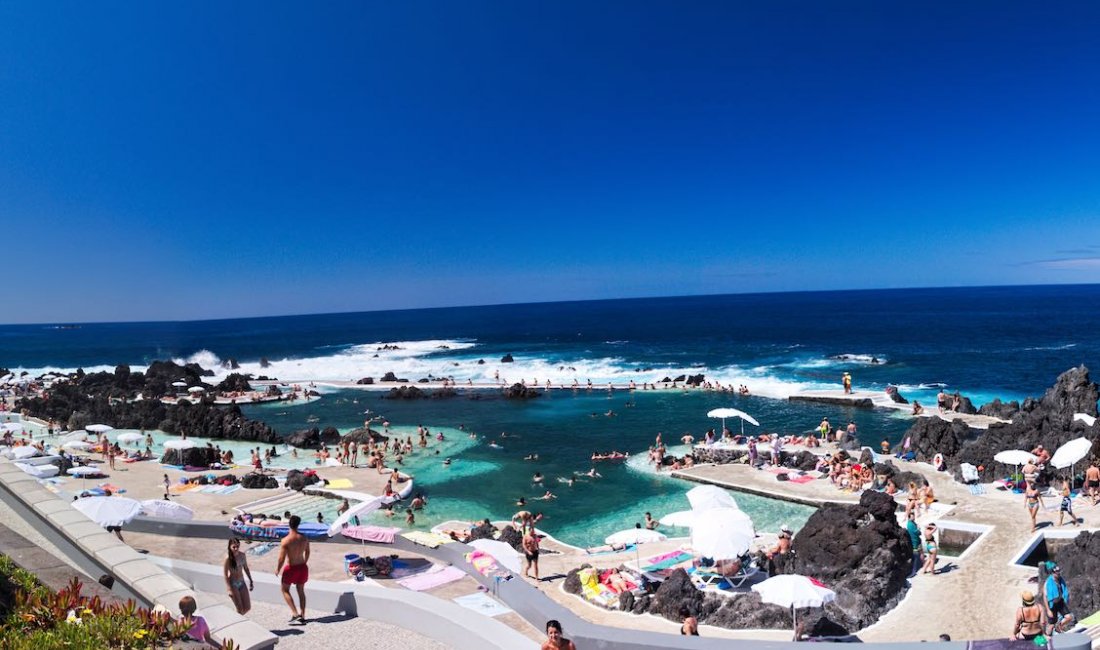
x=704, y=577
x=375, y=534
x=423, y=538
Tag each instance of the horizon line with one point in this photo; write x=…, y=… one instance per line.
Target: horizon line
x=548, y=302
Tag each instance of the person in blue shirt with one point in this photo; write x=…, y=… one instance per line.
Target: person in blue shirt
x=915, y=540
x=1057, y=596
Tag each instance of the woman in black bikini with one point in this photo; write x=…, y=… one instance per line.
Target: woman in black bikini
x=1032, y=501
x=1030, y=618
x=690, y=626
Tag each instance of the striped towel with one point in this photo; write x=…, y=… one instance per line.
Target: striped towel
x=431, y=540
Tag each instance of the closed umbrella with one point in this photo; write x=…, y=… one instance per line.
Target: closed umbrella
x=794, y=591
x=722, y=534
x=707, y=497
x=179, y=444
x=360, y=509
x=733, y=413
x=505, y=555
x=129, y=437
x=109, y=511
x=635, y=536
x=166, y=510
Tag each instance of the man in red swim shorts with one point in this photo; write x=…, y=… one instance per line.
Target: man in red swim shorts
x=294, y=552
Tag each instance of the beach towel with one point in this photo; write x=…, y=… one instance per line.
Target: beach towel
x=376, y=534
x=261, y=549
x=423, y=538
x=340, y=484
x=431, y=579
x=482, y=603
x=486, y=564
x=801, y=479
x=666, y=561
x=230, y=489
x=608, y=549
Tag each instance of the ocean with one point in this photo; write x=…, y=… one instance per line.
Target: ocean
x=1007, y=342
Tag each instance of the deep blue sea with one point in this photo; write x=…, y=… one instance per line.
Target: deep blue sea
x=1007, y=342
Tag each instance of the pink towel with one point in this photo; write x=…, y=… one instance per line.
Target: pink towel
x=371, y=533
x=801, y=479
x=425, y=581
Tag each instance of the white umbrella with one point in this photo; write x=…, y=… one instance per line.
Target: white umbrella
x=77, y=445
x=84, y=471
x=129, y=437
x=179, y=384
x=504, y=554
x=24, y=452
x=196, y=389
x=12, y=426
x=166, y=509
x=794, y=591
x=108, y=511
x=1014, y=457
x=98, y=428
x=179, y=444
x=1086, y=418
x=635, y=536
x=722, y=534
x=74, y=435
x=688, y=518
x=707, y=497
x=361, y=508
x=1070, y=453
x=733, y=413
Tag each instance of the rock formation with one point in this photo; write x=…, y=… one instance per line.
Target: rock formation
x=519, y=391
x=1080, y=564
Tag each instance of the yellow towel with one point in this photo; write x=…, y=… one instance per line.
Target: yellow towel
x=340, y=484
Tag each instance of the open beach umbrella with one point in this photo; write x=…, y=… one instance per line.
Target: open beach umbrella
x=98, y=428
x=1070, y=453
x=179, y=444
x=109, y=511
x=722, y=534
x=1015, y=457
x=794, y=591
x=77, y=445
x=179, y=384
x=733, y=413
x=166, y=509
x=688, y=518
x=505, y=555
x=74, y=435
x=84, y=471
x=128, y=437
x=12, y=426
x=360, y=509
x=196, y=389
x=707, y=497
x=635, y=536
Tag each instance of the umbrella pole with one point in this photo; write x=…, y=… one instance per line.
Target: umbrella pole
x=794, y=621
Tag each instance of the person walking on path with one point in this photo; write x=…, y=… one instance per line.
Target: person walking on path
x=1092, y=482
x=235, y=568
x=555, y=640
x=294, y=550
x=1067, y=504
x=531, y=553
x=1057, y=594
x=1032, y=501
x=1031, y=620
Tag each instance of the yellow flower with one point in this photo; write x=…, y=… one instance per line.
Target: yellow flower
x=87, y=611
x=140, y=634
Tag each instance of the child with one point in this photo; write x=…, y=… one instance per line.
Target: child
x=197, y=628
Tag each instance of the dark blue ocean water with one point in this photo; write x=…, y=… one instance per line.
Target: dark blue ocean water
x=1003, y=341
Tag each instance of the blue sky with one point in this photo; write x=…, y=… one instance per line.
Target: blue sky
x=204, y=160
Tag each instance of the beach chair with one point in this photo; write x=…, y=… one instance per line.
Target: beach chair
x=704, y=577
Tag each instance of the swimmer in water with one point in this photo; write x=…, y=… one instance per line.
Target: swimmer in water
x=531, y=457
x=537, y=478
x=546, y=497
x=447, y=461
x=592, y=473
x=521, y=502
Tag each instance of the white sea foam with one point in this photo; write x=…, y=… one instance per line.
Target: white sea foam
x=848, y=357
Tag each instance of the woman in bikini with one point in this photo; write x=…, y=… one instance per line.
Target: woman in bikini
x=1030, y=618
x=930, y=549
x=234, y=569
x=929, y=495
x=1032, y=501
x=912, y=499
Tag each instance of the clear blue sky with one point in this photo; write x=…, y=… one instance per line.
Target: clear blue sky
x=205, y=159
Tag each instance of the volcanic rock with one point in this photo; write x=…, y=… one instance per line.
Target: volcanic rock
x=675, y=592
x=389, y=376
x=1080, y=565
x=406, y=392
x=519, y=391
x=361, y=435
x=296, y=479
x=895, y=396
x=193, y=457
x=256, y=481
x=507, y=359
x=511, y=537
x=365, y=381
x=235, y=382
x=999, y=409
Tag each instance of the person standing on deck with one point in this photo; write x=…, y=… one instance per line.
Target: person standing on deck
x=847, y=381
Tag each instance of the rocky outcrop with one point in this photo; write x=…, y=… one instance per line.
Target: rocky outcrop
x=313, y=438
x=298, y=480
x=389, y=376
x=675, y=592
x=695, y=380
x=1000, y=410
x=507, y=359
x=1047, y=421
x=412, y=392
x=366, y=381
x=512, y=537
x=483, y=530
x=235, y=382
x=860, y=552
x=895, y=396
x=519, y=391
x=1080, y=564
x=362, y=435
x=194, y=457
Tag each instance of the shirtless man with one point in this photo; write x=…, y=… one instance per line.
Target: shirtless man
x=1092, y=482
x=294, y=551
x=531, y=552
x=554, y=638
